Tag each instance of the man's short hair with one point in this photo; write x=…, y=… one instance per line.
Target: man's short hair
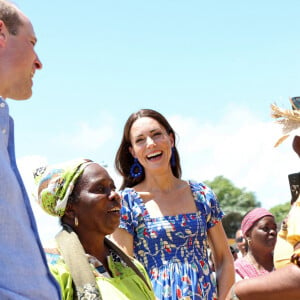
x=10, y=16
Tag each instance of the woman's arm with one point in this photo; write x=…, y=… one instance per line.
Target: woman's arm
x=124, y=240
x=278, y=285
x=222, y=258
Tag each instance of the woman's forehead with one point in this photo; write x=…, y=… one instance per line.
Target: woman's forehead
x=145, y=125
x=265, y=220
x=93, y=173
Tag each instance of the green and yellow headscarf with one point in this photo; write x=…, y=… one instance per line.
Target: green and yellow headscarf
x=56, y=183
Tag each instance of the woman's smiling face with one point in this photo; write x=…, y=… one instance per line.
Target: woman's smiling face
x=98, y=204
x=150, y=143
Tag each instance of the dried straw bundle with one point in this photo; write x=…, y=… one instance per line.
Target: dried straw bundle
x=288, y=118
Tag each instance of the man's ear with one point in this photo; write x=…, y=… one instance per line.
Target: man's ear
x=3, y=34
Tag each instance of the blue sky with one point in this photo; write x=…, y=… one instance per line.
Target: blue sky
x=211, y=67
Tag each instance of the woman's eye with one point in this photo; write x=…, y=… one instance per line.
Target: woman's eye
x=139, y=140
x=157, y=133
x=101, y=189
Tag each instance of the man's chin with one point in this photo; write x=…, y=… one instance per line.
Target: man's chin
x=21, y=97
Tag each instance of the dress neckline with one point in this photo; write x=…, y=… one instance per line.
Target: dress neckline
x=146, y=213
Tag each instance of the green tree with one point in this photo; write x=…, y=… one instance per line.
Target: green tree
x=280, y=211
x=234, y=201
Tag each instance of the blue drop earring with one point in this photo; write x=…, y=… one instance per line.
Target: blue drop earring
x=173, y=158
x=136, y=169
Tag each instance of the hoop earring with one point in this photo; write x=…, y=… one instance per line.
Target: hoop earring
x=136, y=169
x=76, y=222
x=173, y=157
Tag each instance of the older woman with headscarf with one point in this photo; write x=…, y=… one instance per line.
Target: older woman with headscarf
x=260, y=231
x=85, y=262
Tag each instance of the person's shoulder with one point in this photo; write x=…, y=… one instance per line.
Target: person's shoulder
x=49, y=244
x=241, y=261
x=137, y=263
x=127, y=190
x=199, y=186
x=130, y=196
x=52, y=252
x=193, y=182
x=141, y=268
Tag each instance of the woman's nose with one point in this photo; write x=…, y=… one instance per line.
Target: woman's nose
x=150, y=141
x=114, y=196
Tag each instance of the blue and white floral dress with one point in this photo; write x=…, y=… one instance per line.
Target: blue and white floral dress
x=173, y=249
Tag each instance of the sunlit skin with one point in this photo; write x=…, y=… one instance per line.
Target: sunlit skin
x=18, y=61
x=97, y=209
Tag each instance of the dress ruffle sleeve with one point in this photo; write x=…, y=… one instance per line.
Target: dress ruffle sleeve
x=207, y=202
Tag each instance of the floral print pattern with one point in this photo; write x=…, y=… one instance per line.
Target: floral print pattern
x=173, y=249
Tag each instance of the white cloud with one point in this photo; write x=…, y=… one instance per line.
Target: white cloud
x=86, y=137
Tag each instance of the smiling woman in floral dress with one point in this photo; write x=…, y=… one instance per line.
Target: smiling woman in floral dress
x=168, y=223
